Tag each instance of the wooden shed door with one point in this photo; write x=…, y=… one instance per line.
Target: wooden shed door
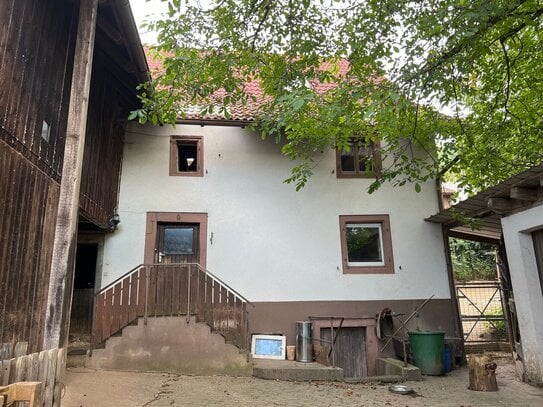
x=350, y=350
x=177, y=243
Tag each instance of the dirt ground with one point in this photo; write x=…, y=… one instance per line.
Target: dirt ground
x=89, y=388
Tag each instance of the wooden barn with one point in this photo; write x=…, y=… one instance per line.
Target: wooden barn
x=68, y=76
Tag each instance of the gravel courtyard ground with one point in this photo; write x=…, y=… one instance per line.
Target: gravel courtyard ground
x=89, y=388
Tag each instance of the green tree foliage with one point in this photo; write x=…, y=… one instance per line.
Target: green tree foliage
x=473, y=260
x=479, y=59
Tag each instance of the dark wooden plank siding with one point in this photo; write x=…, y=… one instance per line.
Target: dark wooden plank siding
x=36, y=53
x=37, y=41
x=25, y=255
x=107, y=115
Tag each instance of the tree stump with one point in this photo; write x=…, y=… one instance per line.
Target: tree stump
x=482, y=373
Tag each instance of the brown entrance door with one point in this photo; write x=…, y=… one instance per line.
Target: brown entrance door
x=177, y=243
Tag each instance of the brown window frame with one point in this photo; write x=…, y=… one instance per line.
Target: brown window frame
x=174, y=156
x=376, y=161
x=151, y=230
x=384, y=221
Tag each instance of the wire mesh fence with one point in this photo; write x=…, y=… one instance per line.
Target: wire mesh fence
x=482, y=314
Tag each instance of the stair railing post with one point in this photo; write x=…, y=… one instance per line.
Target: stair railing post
x=189, y=270
x=146, y=309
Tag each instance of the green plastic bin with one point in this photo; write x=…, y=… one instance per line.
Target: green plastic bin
x=427, y=349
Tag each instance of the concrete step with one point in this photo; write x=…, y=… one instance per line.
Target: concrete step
x=296, y=371
x=395, y=367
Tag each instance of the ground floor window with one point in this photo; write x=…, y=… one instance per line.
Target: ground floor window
x=366, y=244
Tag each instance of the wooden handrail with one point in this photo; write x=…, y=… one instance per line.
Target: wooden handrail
x=160, y=289
x=133, y=269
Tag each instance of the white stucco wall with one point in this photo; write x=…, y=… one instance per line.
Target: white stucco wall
x=526, y=285
x=270, y=242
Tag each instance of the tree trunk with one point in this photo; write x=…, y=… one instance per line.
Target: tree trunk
x=482, y=373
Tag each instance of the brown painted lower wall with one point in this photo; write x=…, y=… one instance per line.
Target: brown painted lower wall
x=281, y=317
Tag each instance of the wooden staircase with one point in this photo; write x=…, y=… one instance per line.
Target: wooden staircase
x=185, y=290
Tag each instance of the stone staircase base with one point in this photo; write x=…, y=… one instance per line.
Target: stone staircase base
x=170, y=344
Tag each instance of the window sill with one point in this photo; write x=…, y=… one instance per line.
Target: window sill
x=368, y=270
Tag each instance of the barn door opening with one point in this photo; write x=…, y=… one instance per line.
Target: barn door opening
x=82, y=300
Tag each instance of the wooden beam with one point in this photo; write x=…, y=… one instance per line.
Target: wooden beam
x=524, y=194
x=63, y=259
x=503, y=206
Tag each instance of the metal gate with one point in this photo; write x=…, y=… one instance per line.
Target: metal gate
x=482, y=313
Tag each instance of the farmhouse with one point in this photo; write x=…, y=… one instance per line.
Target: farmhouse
x=205, y=200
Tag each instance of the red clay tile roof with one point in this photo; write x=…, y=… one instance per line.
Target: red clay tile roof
x=241, y=112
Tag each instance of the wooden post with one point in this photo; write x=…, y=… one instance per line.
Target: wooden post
x=63, y=260
x=482, y=373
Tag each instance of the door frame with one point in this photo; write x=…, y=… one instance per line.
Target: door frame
x=151, y=230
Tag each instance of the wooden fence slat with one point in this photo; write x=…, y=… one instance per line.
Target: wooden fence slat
x=159, y=295
x=50, y=376
x=21, y=368
x=133, y=298
x=116, y=311
x=20, y=349
x=176, y=279
x=59, y=377
x=183, y=287
x=6, y=351
x=151, y=295
x=125, y=299
x=108, y=310
x=42, y=375
x=142, y=289
x=12, y=370
x=193, y=290
x=4, y=375
x=34, y=367
x=224, y=310
x=201, y=296
x=97, y=334
x=216, y=305
x=167, y=290
x=208, y=314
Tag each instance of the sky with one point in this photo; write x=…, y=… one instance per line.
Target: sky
x=141, y=9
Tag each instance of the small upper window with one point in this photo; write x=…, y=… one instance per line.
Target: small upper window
x=361, y=161
x=186, y=156
x=366, y=244
x=45, y=131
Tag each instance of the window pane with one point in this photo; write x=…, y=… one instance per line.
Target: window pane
x=178, y=240
x=347, y=161
x=364, y=244
x=364, y=155
x=187, y=157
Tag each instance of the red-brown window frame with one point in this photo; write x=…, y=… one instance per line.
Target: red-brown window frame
x=151, y=231
x=384, y=221
x=174, y=156
x=376, y=162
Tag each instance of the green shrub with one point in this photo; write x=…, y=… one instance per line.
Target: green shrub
x=472, y=260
